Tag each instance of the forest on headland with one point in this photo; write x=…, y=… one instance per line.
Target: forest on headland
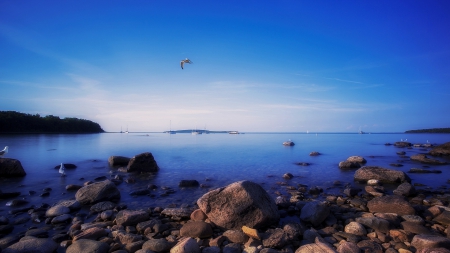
x=16, y=122
x=431, y=130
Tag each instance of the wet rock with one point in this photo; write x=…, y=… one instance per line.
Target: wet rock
x=142, y=163
x=376, y=191
x=196, y=229
x=357, y=159
x=277, y=239
x=11, y=168
x=37, y=232
x=6, y=229
x=66, y=165
x=131, y=217
x=349, y=165
x=140, y=192
x=64, y=218
x=88, y=246
x=32, y=244
x=405, y=189
x=424, y=159
x=370, y=246
x=16, y=202
x=423, y=171
x=402, y=144
x=381, y=174
x=4, y=220
x=415, y=228
x=189, y=183
x=288, y=176
x=314, y=153
x=7, y=241
x=318, y=246
x=239, y=204
x=118, y=161
x=351, y=191
x=390, y=204
x=314, y=212
x=97, y=192
x=73, y=187
x=142, y=226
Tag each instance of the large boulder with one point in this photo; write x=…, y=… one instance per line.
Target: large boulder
x=441, y=150
x=97, y=192
x=11, y=168
x=381, y=174
x=391, y=204
x=242, y=203
x=143, y=163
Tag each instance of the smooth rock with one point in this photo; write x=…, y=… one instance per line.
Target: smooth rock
x=57, y=211
x=381, y=174
x=430, y=241
x=32, y=244
x=142, y=163
x=186, y=245
x=131, y=217
x=98, y=192
x=118, y=161
x=11, y=168
x=314, y=212
x=196, y=229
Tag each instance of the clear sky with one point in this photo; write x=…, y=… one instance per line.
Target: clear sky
x=257, y=65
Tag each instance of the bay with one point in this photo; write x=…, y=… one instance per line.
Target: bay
x=215, y=160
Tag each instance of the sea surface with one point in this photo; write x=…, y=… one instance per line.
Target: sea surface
x=214, y=160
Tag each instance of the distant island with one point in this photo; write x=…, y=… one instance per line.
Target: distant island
x=431, y=130
x=16, y=122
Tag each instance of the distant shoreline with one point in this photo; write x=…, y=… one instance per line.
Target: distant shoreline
x=430, y=131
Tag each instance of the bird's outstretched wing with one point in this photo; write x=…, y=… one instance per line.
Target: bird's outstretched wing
x=182, y=64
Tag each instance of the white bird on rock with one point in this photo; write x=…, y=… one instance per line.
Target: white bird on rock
x=4, y=151
x=185, y=61
x=62, y=170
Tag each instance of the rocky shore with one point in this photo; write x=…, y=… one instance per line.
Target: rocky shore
x=240, y=217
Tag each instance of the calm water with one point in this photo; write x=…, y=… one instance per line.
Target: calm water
x=212, y=159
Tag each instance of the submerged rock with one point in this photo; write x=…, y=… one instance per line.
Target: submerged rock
x=97, y=192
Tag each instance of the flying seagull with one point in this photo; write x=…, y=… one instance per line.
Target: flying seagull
x=62, y=170
x=4, y=151
x=185, y=61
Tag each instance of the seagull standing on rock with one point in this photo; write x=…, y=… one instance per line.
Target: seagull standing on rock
x=185, y=61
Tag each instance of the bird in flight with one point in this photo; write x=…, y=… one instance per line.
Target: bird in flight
x=4, y=151
x=185, y=61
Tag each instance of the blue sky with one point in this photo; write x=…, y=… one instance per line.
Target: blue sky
x=257, y=65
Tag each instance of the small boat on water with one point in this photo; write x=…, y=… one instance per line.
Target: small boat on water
x=233, y=132
x=4, y=151
x=288, y=143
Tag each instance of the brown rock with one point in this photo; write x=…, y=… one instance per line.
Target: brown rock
x=441, y=150
x=390, y=204
x=11, y=168
x=198, y=215
x=91, y=233
x=443, y=218
x=131, y=217
x=430, y=241
x=251, y=232
x=239, y=204
x=415, y=228
x=196, y=229
x=348, y=247
x=424, y=159
x=236, y=236
x=97, y=192
x=381, y=174
x=118, y=160
x=142, y=163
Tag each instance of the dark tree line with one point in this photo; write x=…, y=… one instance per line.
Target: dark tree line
x=16, y=122
x=432, y=130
